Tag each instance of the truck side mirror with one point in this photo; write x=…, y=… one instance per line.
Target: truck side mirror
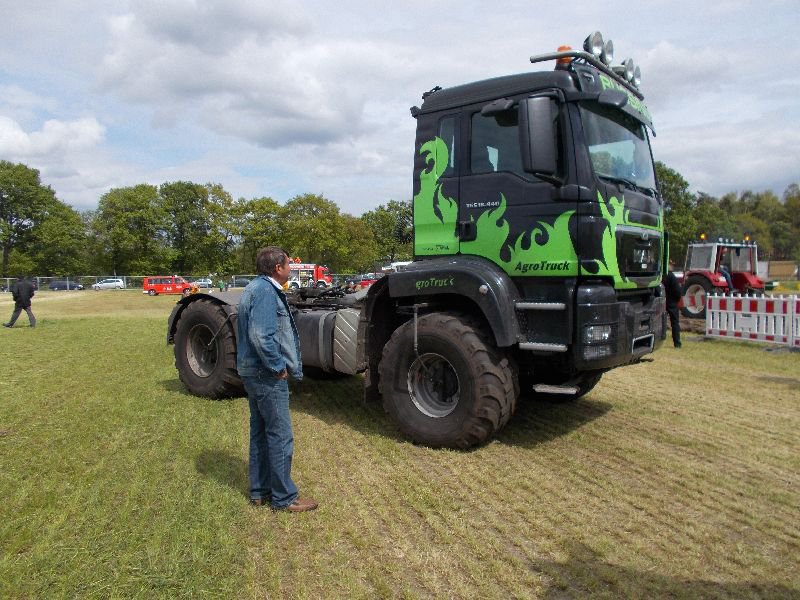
x=537, y=125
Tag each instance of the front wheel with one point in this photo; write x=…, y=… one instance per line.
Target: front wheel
x=151, y=293
x=457, y=390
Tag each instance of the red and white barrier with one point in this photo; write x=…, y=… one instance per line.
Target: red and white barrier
x=764, y=319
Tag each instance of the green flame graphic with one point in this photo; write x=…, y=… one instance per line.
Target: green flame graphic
x=554, y=256
x=434, y=213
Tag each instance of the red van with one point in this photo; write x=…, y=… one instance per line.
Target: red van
x=166, y=284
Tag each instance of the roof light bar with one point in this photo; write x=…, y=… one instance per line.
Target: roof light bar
x=599, y=53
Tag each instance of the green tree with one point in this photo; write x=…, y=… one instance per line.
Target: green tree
x=712, y=219
x=357, y=249
x=129, y=232
x=791, y=202
x=59, y=242
x=315, y=230
x=23, y=204
x=186, y=206
x=391, y=226
x=218, y=244
x=679, y=202
x=310, y=226
x=748, y=224
x=255, y=223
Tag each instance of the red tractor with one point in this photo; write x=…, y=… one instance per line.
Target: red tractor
x=721, y=267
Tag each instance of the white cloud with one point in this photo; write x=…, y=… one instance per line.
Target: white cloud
x=54, y=137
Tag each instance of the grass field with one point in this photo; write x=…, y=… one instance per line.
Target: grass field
x=678, y=478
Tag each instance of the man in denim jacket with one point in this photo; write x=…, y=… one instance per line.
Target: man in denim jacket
x=267, y=353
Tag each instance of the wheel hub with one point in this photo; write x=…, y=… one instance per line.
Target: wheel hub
x=202, y=359
x=695, y=298
x=433, y=385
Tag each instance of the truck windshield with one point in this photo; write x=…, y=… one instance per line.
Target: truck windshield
x=618, y=146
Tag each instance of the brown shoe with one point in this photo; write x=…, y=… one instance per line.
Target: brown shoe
x=300, y=505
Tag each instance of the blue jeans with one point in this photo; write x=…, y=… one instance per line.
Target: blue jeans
x=271, y=440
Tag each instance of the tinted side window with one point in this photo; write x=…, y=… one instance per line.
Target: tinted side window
x=495, y=144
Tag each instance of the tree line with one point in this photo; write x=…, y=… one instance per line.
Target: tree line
x=189, y=228
x=770, y=221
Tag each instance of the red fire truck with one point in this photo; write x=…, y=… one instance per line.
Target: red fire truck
x=308, y=275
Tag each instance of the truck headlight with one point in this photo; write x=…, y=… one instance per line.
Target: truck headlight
x=598, y=334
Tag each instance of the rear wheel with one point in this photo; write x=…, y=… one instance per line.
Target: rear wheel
x=694, y=297
x=205, y=351
x=456, y=391
x=151, y=293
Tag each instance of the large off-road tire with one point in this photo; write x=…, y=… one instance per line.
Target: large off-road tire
x=457, y=391
x=694, y=297
x=207, y=368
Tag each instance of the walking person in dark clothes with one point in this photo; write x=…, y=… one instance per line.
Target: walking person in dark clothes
x=22, y=291
x=673, y=289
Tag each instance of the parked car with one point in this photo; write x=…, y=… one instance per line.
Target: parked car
x=166, y=284
x=64, y=284
x=109, y=284
x=239, y=281
x=203, y=283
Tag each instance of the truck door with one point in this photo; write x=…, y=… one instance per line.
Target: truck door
x=505, y=214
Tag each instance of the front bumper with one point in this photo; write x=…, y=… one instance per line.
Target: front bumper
x=613, y=331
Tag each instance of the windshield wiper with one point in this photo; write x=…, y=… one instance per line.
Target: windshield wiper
x=631, y=185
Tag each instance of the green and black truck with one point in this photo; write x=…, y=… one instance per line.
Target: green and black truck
x=539, y=250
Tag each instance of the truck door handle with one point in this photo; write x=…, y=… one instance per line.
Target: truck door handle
x=467, y=231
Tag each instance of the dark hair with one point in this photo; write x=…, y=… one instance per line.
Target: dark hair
x=268, y=258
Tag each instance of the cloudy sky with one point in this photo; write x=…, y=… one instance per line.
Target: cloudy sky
x=274, y=98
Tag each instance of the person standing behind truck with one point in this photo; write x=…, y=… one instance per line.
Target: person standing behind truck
x=22, y=291
x=673, y=289
x=268, y=352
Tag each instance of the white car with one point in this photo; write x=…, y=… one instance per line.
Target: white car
x=204, y=283
x=109, y=284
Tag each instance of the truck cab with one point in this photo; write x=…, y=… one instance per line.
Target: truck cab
x=548, y=177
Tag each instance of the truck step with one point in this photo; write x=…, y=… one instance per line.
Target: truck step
x=543, y=388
